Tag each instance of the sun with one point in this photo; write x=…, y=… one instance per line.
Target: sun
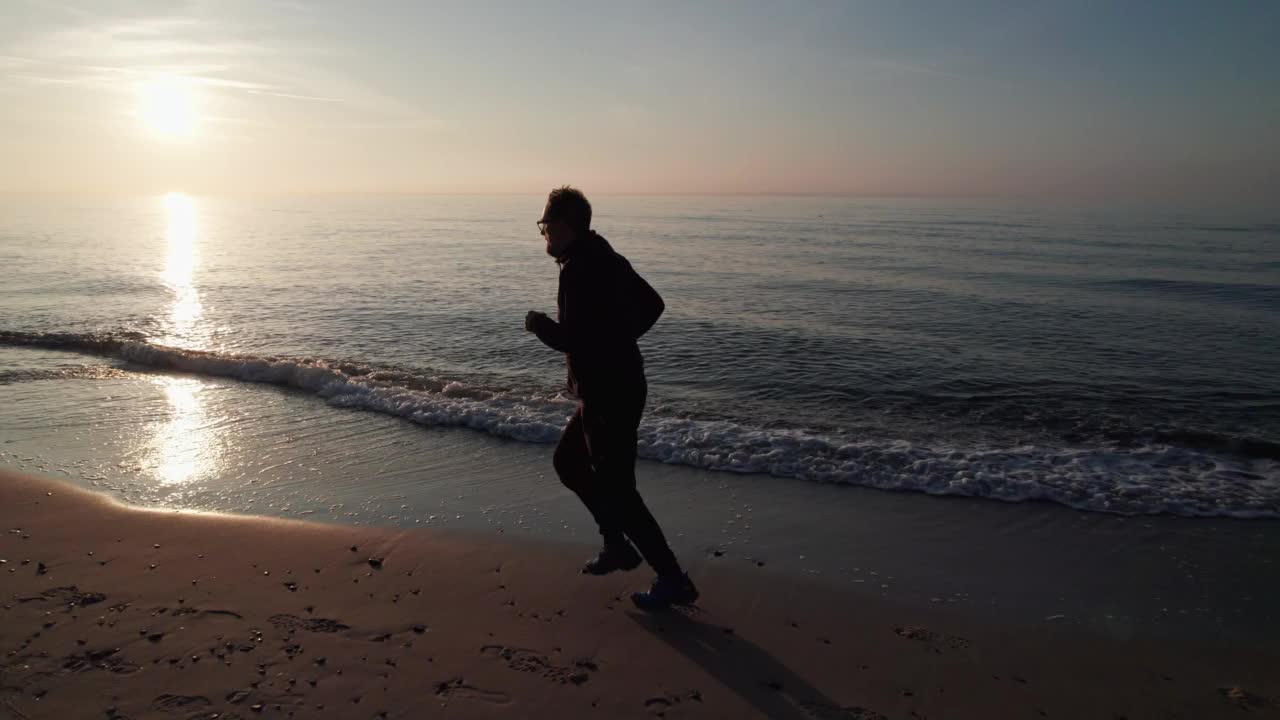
x=168, y=107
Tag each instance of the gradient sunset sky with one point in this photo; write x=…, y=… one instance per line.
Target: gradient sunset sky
x=1167, y=101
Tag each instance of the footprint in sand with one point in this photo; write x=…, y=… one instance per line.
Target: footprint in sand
x=821, y=711
x=659, y=705
x=530, y=661
x=104, y=659
x=456, y=688
x=1242, y=698
x=207, y=613
x=316, y=625
x=935, y=639
x=68, y=595
x=179, y=703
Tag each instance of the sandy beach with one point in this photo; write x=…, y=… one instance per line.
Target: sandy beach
x=116, y=612
x=926, y=353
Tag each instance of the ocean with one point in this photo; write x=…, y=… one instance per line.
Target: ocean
x=1114, y=361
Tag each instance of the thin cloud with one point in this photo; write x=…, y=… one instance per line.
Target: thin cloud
x=107, y=77
x=116, y=54
x=294, y=96
x=136, y=40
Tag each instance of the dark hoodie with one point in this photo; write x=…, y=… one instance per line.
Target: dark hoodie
x=604, y=307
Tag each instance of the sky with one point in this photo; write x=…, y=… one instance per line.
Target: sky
x=1125, y=101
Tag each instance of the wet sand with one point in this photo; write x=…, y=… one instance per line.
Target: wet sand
x=117, y=612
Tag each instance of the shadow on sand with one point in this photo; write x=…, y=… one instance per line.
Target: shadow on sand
x=746, y=669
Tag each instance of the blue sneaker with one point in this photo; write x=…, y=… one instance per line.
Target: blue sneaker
x=665, y=592
x=614, y=556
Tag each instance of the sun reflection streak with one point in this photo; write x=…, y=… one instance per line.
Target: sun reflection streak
x=185, y=449
x=180, y=264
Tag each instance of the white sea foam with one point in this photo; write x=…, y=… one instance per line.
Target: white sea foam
x=1152, y=478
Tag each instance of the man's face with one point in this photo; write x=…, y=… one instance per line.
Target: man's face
x=557, y=233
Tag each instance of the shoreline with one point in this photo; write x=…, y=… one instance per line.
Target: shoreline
x=175, y=440
x=125, y=612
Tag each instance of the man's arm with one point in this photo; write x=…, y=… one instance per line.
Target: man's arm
x=547, y=330
x=648, y=306
x=582, y=319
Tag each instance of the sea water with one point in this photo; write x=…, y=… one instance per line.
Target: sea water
x=1121, y=361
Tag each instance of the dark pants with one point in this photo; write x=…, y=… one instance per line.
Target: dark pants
x=596, y=458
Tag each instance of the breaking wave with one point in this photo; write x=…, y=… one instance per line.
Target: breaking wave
x=1157, y=475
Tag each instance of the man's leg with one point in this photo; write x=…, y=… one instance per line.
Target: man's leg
x=643, y=529
x=573, y=464
x=611, y=437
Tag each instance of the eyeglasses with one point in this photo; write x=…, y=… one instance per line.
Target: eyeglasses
x=542, y=227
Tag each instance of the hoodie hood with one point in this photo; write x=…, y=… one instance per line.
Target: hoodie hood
x=591, y=243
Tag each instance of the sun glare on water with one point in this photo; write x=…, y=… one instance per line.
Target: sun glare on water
x=168, y=107
x=183, y=325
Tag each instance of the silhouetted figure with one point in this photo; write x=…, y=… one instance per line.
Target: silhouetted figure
x=604, y=307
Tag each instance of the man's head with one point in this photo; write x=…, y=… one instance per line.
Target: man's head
x=566, y=217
